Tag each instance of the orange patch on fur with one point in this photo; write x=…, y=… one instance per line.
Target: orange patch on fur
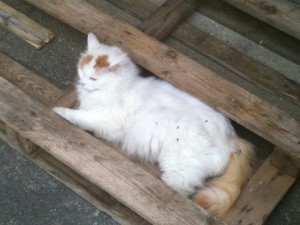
x=85, y=60
x=102, y=62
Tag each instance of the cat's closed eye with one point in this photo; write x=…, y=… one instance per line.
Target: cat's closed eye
x=93, y=79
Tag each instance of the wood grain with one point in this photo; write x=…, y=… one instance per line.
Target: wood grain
x=236, y=103
x=252, y=28
x=98, y=163
x=73, y=180
x=239, y=63
x=282, y=14
x=69, y=177
x=167, y=17
x=285, y=163
x=260, y=195
x=23, y=27
x=27, y=81
x=230, y=58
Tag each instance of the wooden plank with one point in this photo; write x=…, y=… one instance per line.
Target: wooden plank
x=239, y=63
x=27, y=81
x=285, y=163
x=260, y=195
x=282, y=14
x=98, y=163
x=252, y=28
x=23, y=27
x=24, y=80
x=236, y=103
x=73, y=180
x=168, y=17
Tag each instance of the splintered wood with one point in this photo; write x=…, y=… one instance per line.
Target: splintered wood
x=23, y=27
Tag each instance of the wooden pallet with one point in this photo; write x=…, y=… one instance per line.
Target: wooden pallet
x=98, y=171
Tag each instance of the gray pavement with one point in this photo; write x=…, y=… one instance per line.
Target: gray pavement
x=29, y=195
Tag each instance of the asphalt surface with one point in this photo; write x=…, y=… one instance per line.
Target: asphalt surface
x=31, y=196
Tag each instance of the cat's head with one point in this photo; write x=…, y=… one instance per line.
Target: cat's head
x=100, y=63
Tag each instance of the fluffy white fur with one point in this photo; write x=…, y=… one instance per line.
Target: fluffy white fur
x=151, y=119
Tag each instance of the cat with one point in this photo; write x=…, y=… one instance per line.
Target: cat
x=158, y=123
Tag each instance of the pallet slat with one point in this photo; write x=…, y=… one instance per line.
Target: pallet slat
x=27, y=81
x=252, y=28
x=282, y=14
x=98, y=163
x=168, y=17
x=219, y=52
x=239, y=63
x=73, y=180
x=23, y=27
x=236, y=103
x=261, y=194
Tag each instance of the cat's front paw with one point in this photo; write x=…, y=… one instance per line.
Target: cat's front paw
x=60, y=111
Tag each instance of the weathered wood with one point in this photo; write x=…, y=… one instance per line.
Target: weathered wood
x=23, y=27
x=145, y=8
x=168, y=17
x=260, y=195
x=98, y=163
x=68, y=99
x=69, y=177
x=285, y=163
x=236, y=103
x=27, y=81
x=239, y=63
x=252, y=28
x=282, y=14
x=77, y=183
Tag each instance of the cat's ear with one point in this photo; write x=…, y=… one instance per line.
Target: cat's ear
x=92, y=42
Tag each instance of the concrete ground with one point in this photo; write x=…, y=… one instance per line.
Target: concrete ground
x=30, y=196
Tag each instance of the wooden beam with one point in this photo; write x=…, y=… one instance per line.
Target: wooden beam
x=98, y=163
x=244, y=66
x=285, y=163
x=282, y=14
x=73, y=180
x=260, y=195
x=236, y=103
x=23, y=27
x=239, y=63
x=28, y=82
x=252, y=28
x=168, y=17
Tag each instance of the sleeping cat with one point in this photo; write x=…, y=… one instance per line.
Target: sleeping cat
x=155, y=121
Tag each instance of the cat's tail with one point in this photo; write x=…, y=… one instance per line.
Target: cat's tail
x=221, y=192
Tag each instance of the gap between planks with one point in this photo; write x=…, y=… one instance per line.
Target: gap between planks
x=23, y=27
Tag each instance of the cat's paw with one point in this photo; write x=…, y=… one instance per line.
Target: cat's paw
x=60, y=111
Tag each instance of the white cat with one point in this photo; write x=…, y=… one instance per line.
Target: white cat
x=157, y=122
